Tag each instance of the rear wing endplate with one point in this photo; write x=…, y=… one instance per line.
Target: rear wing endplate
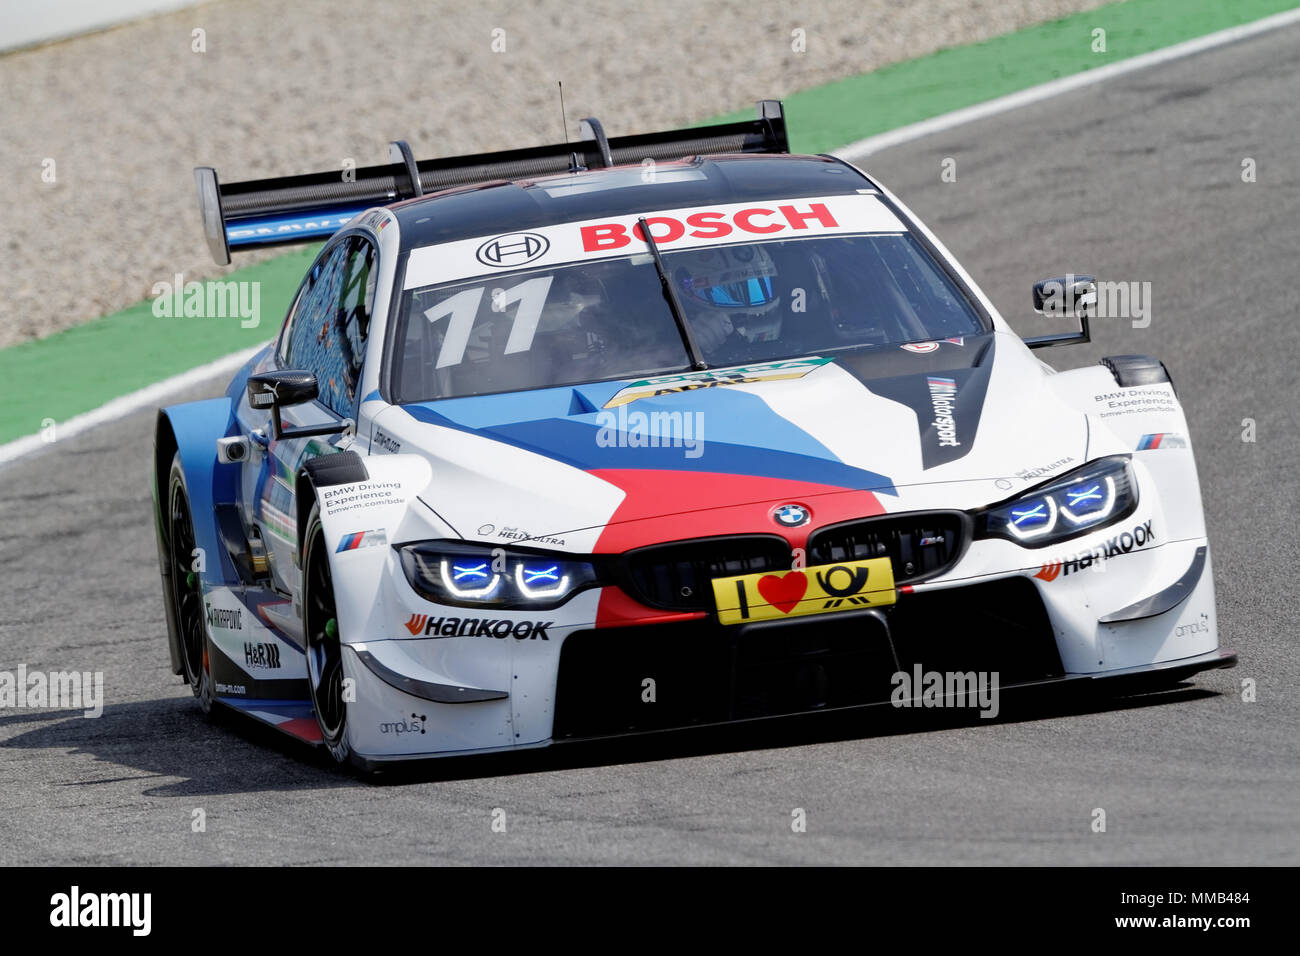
x=292, y=209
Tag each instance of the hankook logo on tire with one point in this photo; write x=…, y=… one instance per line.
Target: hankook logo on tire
x=512, y=250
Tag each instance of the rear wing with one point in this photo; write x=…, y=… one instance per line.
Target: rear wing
x=292, y=209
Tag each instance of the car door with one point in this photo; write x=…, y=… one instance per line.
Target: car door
x=326, y=334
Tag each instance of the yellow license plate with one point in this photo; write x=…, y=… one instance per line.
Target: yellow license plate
x=823, y=589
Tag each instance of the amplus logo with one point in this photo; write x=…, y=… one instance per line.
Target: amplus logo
x=413, y=725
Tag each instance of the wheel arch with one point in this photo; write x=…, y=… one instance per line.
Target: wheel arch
x=341, y=468
x=191, y=430
x=375, y=495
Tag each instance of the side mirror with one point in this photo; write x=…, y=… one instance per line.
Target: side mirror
x=284, y=388
x=281, y=389
x=1071, y=296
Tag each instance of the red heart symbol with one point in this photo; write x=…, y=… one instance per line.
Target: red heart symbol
x=783, y=592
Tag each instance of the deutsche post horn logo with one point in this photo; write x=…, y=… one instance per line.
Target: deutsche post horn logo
x=853, y=580
x=513, y=250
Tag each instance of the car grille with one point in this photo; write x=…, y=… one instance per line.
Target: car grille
x=706, y=673
x=919, y=544
x=678, y=576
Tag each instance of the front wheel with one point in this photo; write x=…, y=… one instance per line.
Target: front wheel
x=324, y=651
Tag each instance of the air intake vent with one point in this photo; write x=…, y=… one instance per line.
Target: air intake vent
x=920, y=544
x=678, y=576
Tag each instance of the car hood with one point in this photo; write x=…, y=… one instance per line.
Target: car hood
x=958, y=423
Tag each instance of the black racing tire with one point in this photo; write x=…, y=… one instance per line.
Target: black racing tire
x=324, y=650
x=186, y=587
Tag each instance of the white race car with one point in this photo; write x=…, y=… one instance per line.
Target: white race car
x=651, y=432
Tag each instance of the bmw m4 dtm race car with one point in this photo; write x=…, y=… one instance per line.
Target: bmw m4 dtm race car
x=648, y=432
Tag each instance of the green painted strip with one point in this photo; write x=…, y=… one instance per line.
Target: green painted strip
x=828, y=117
x=80, y=369
x=75, y=371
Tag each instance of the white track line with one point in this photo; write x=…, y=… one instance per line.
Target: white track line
x=150, y=395
x=1066, y=84
x=154, y=394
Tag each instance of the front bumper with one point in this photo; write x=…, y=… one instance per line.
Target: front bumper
x=1132, y=679
x=1115, y=628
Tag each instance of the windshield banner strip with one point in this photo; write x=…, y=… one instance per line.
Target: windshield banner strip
x=672, y=229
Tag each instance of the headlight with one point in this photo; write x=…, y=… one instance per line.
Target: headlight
x=449, y=572
x=1087, y=498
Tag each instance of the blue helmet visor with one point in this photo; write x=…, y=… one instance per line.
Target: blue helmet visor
x=732, y=295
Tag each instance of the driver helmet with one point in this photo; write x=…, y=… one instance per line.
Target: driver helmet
x=737, y=283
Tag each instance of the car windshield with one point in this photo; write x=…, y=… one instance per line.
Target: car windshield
x=608, y=319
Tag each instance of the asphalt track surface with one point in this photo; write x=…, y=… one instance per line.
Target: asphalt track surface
x=1138, y=178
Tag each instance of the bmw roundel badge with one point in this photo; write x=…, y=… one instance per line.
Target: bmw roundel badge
x=790, y=516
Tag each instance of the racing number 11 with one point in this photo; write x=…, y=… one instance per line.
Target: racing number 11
x=462, y=308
